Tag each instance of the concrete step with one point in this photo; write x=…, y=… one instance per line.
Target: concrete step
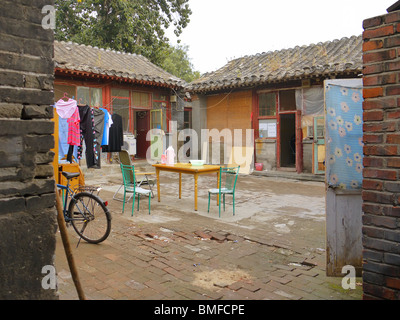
x=290, y=175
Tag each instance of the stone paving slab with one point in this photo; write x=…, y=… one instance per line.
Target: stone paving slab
x=272, y=249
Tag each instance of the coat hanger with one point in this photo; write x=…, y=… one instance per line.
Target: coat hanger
x=65, y=96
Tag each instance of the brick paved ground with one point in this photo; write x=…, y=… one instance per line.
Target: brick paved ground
x=273, y=248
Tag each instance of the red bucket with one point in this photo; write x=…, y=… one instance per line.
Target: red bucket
x=259, y=166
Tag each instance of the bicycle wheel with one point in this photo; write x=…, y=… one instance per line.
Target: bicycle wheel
x=89, y=217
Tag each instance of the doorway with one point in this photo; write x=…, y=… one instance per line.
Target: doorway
x=142, y=119
x=287, y=139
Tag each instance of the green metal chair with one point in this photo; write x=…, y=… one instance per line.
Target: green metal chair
x=128, y=175
x=228, y=178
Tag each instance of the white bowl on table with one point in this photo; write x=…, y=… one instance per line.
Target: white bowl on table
x=197, y=162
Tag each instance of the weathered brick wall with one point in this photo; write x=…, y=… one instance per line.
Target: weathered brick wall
x=381, y=185
x=27, y=213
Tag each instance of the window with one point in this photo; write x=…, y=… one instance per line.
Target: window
x=187, y=118
x=287, y=100
x=160, y=105
x=156, y=121
x=141, y=100
x=120, y=106
x=267, y=128
x=93, y=97
x=267, y=104
x=267, y=110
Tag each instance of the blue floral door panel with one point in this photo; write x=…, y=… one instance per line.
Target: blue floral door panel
x=344, y=137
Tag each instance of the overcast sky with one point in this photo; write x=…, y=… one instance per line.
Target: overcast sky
x=222, y=30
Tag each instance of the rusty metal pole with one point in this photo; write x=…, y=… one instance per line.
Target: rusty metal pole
x=67, y=248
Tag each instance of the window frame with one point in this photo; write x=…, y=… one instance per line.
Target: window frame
x=274, y=117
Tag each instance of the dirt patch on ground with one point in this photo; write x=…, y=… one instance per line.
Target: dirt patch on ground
x=219, y=278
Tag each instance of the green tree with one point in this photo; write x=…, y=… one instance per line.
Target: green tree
x=135, y=26
x=177, y=62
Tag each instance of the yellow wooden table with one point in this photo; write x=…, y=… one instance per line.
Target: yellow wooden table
x=186, y=168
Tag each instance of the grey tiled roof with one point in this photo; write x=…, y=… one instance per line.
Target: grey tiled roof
x=77, y=57
x=315, y=60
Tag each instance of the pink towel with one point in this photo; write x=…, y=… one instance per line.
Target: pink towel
x=66, y=109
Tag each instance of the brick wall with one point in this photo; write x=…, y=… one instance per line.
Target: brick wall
x=27, y=213
x=381, y=185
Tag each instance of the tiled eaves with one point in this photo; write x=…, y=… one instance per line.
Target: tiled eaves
x=332, y=58
x=73, y=58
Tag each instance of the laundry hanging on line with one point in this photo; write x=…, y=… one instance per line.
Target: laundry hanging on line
x=96, y=127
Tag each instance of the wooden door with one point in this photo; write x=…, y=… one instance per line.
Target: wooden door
x=299, y=143
x=142, y=127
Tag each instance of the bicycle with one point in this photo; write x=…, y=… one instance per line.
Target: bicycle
x=87, y=213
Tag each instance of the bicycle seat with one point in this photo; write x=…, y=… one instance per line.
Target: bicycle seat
x=70, y=175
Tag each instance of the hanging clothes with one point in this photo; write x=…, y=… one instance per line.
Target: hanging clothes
x=69, y=127
x=87, y=127
x=74, y=131
x=98, y=116
x=107, y=124
x=116, y=135
x=62, y=137
x=65, y=109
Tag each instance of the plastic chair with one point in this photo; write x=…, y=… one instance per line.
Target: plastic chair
x=128, y=175
x=125, y=159
x=227, y=177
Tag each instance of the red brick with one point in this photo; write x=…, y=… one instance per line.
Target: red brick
x=393, y=90
x=370, y=231
x=392, y=42
x=393, y=187
x=378, y=291
x=380, y=221
x=393, y=115
x=372, y=45
x=393, y=283
x=379, y=56
x=393, y=138
x=374, y=68
x=392, y=17
x=373, y=138
x=373, y=116
x=392, y=211
x=373, y=162
x=384, y=103
x=217, y=236
x=372, y=92
x=380, y=80
x=372, y=22
x=202, y=234
x=378, y=32
x=380, y=174
x=392, y=66
x=388, y=126
x=372, y=208
x=393, y=162
x=377, y=197
x=372, y=185
x=381, y=150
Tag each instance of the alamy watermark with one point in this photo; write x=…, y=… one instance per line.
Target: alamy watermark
x=349, y=280
x=49, y=20
x=49, y=281
x=233, y=146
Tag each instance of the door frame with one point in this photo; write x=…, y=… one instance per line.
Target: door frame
x=299, y=140
x=317, y=142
